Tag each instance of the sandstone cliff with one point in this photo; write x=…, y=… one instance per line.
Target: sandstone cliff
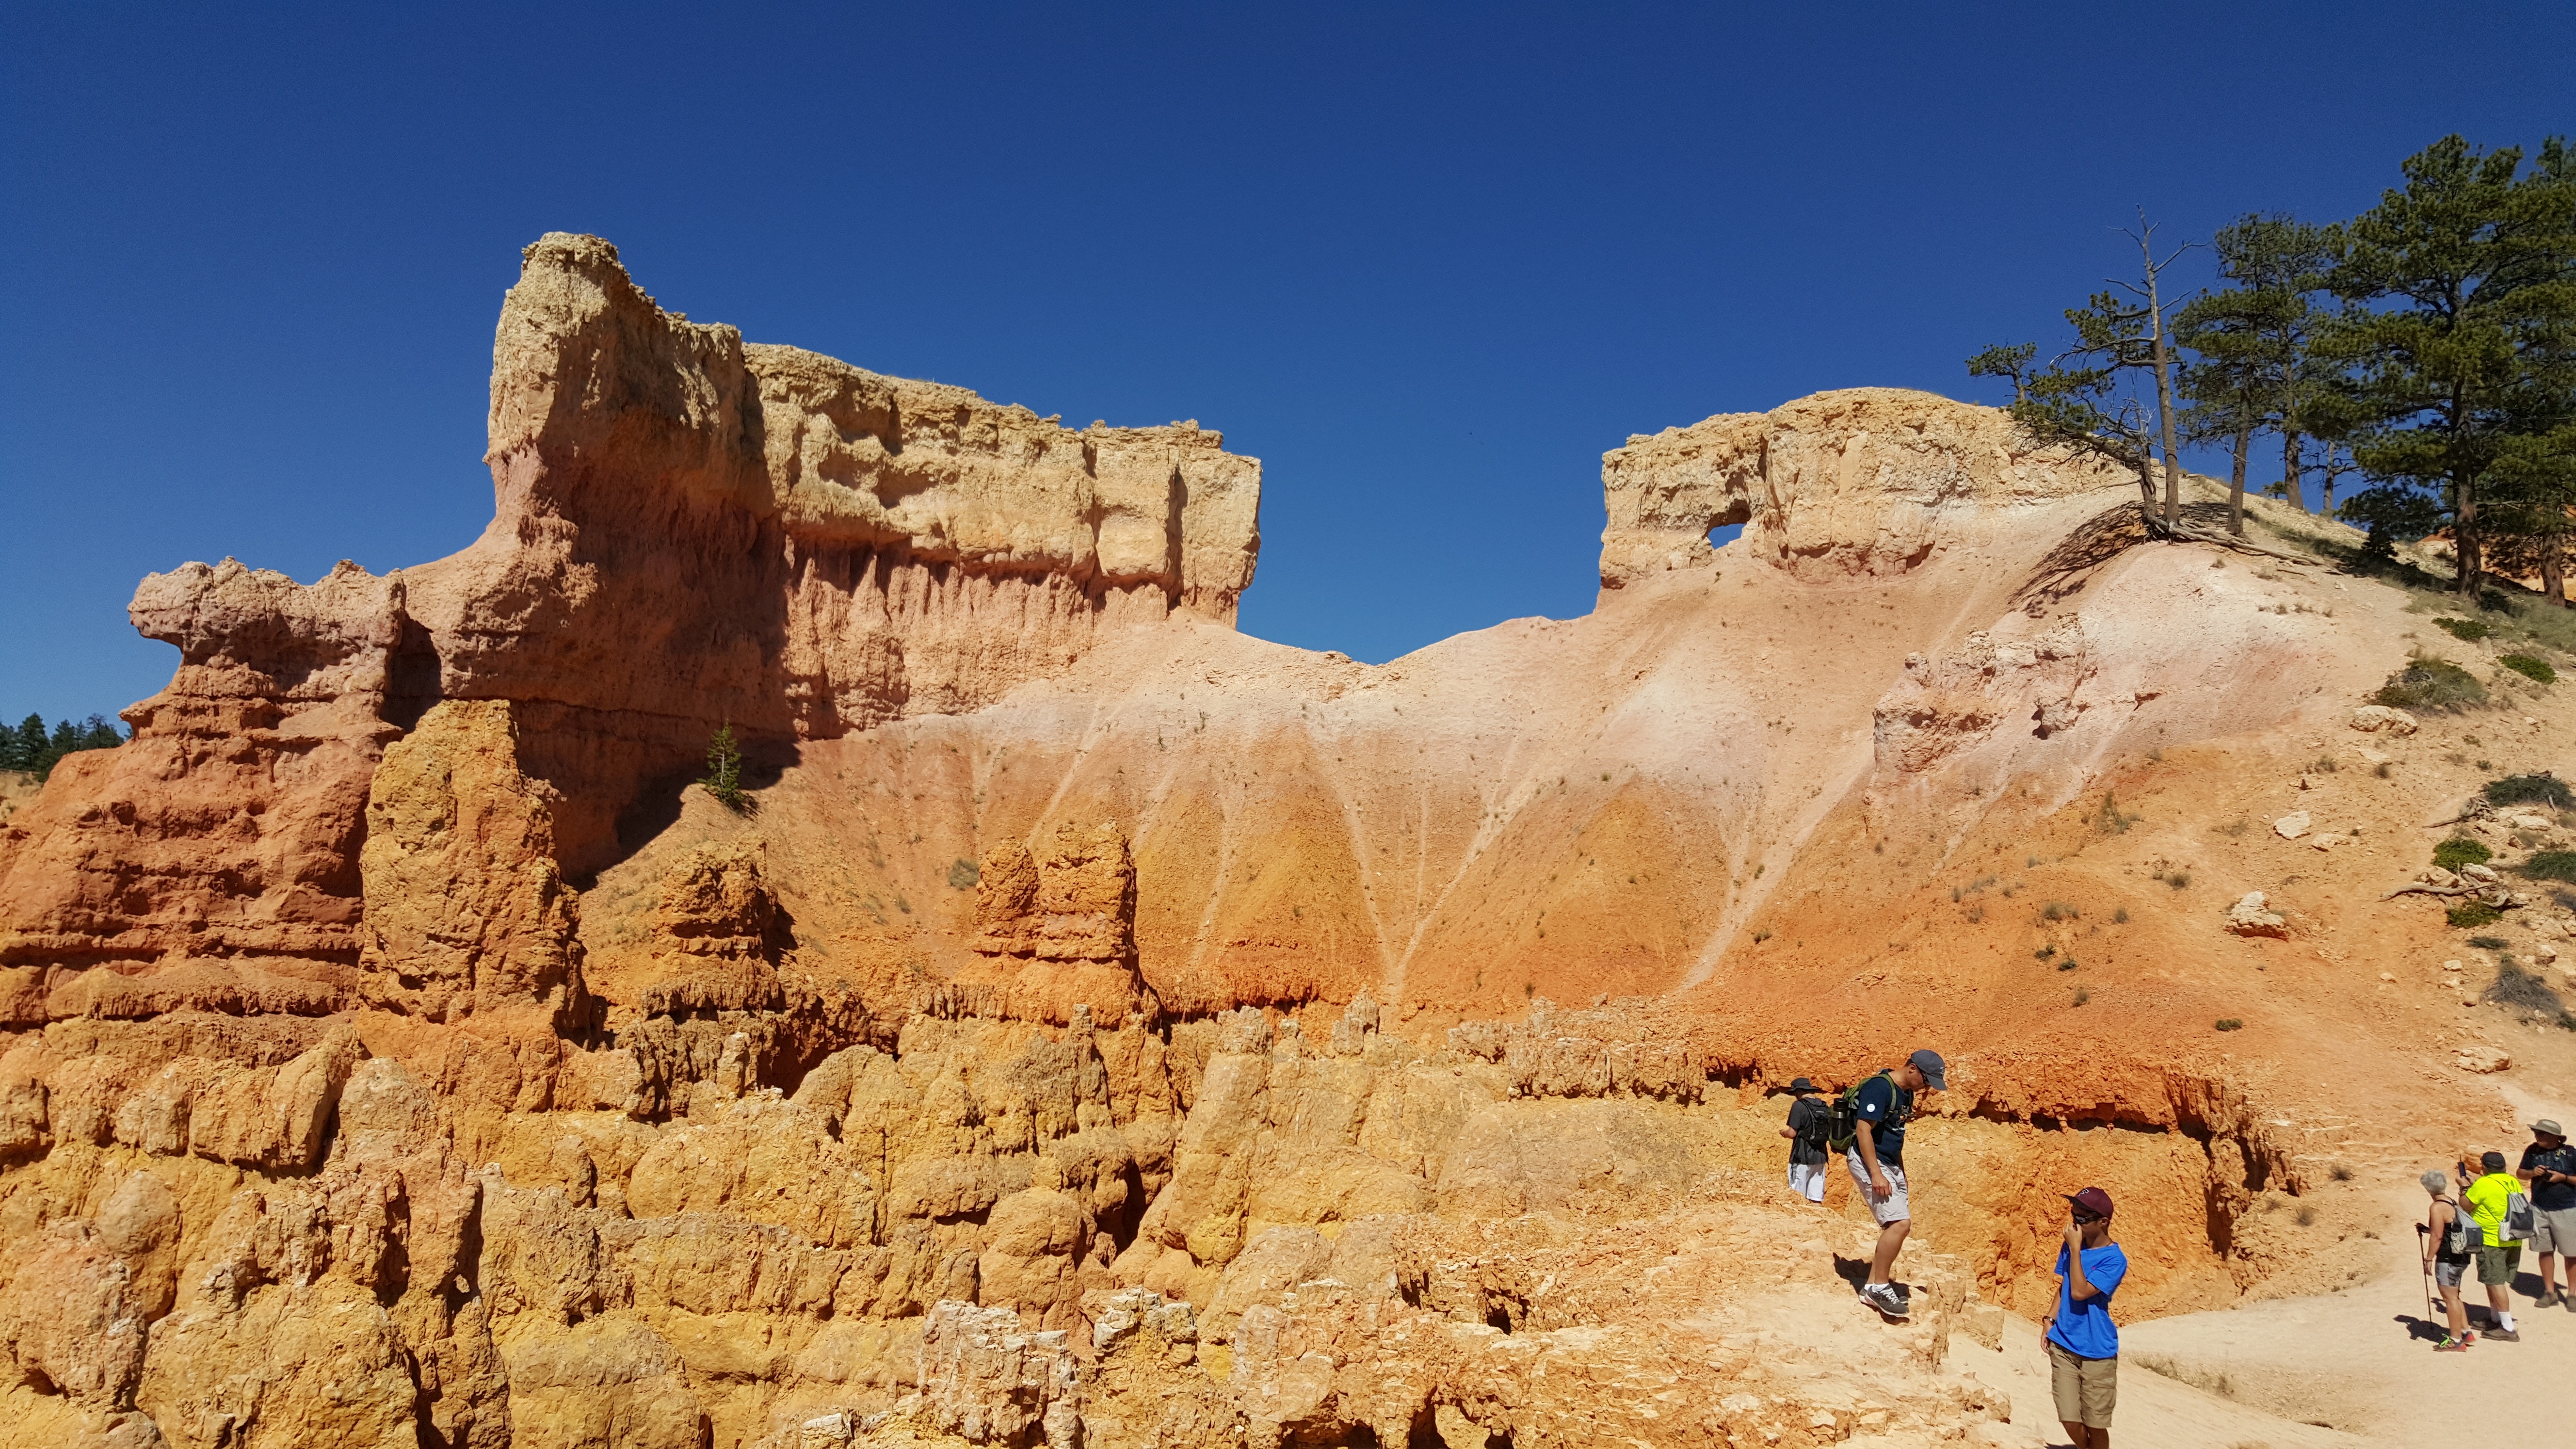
x=1103, y=1026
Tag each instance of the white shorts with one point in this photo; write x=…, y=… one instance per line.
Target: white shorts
x=1807, y=1179
x=1894, y=1210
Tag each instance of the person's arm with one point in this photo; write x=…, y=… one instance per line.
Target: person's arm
x=1879, y=1187
x=2433, y=1226
x=2528, y=1173
x=2078, y=1287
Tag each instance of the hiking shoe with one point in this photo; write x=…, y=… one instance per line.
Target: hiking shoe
x=1885, y=1299
x=2503, y=1335
x=2452, y=1345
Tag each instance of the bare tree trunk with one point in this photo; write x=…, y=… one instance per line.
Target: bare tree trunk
x=2164, y=394
x=2553, y=578
x=2236, y=484
x=2464, y=539
x=2290, y=474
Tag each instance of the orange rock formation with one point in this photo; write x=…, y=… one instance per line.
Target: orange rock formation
x=1104, y=1027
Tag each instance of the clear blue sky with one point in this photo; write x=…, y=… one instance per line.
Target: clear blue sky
x=1427, y=263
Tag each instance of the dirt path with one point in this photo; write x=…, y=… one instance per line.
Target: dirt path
x=2355, y=1367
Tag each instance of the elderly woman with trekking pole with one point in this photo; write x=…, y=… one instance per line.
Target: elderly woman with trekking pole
x=2445, y=1264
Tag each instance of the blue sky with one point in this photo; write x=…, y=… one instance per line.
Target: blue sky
x=1427, y=263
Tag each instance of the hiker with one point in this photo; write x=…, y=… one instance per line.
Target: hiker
x=2488, y=1199
x=1880, y=1107
x=2447, y=1256
x=2083, y=1343
x=1810, y=1122
x=2549, y=1165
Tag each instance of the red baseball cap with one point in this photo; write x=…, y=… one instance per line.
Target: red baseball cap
x=2093, y=1200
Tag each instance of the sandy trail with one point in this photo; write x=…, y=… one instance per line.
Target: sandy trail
x=2354, y=1367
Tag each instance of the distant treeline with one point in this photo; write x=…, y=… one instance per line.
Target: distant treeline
x=32, y=747
x=2425, y=348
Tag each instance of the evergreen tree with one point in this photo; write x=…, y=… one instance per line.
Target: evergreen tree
x=2007, y=360
x=33, y=748
x=2449, y=287
x=2255, y=369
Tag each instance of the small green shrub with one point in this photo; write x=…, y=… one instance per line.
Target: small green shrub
x=2535, y=670
x=2176, y=878
x=2229, y=1023
x=2431, y=684
x=2120, y=917
x=2307, y=1215
x=2460, y=850
x=724, y=770
x=2469, y=915
x=2489, y=943
x=2111, y=819
x=2322, y=765
x=2066, y=965
x=964, y=874
x=2340, y=1172
x=2044, y=952
x=2467, y=631
x=2551, y=865
x=2541, y=789
x=2058, y=911
x=2083, y=994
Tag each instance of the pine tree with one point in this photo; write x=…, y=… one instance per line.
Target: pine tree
x=2445, y=284
x=2255, y=368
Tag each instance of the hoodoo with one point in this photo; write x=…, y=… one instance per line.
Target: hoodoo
x=1095, y=1025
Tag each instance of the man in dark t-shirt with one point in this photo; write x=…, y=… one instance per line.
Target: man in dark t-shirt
x=1877, y=1160
x=2549, y=1165
x=1810, y=1127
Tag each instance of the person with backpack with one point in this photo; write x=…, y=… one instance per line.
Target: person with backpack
x=2549, y=1166
x=1810, y=1124
x=2083, y=1344
x=2494, y=1199
x=2450, y=1244
x=1870, y=1131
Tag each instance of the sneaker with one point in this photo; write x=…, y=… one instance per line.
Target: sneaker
x=2503, y=1335
x=1885, y=1299
x=2452, y=1345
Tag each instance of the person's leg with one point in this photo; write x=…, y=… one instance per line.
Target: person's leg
x=1891, y=1240
x=2455, y=1313
x=2066, y=1388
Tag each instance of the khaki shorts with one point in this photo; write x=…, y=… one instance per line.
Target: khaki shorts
x=2496, y=1265
x=1895, y=1209
x=1807, y=1180
x=2554, y=1231
x=2087, y=1389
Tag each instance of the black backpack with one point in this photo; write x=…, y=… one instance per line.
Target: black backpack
x=1846, y=1119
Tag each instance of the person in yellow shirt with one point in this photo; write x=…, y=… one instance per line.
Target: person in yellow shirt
x=2486, y=1199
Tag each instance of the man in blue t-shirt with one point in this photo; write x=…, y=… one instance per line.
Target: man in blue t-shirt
x=2083, y=1343
x=1883, y=1106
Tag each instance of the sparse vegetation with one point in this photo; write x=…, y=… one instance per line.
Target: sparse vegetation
x=2120, y=917
x=2340, y=1172
x=2489, y=943
x=2383, y=770
x=2323, y=765
x=2523, y=991
x=2551, y=865
x=2110, y=818
x=2235, y=829
x=2044, y=952
x=724, y=771
x=2534, y=669
x=2467, y=631
x=2306, y=1215
x=2461, y=850
x=2066, y=965
x=2541, y=789
x=2229, y=1023
x=963, y=874
x=2468, y=915
x=2428, y=685
x=2178, y=879
x=2083, y=994
x=1761, y=936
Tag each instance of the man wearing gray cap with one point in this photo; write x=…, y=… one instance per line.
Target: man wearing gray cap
x=2549, y=1165
x=1881, y=1106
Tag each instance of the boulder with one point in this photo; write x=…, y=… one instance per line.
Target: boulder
x=2292, y=825
x=2248, y=917
x=2379, y=718
x=2481, y=1059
